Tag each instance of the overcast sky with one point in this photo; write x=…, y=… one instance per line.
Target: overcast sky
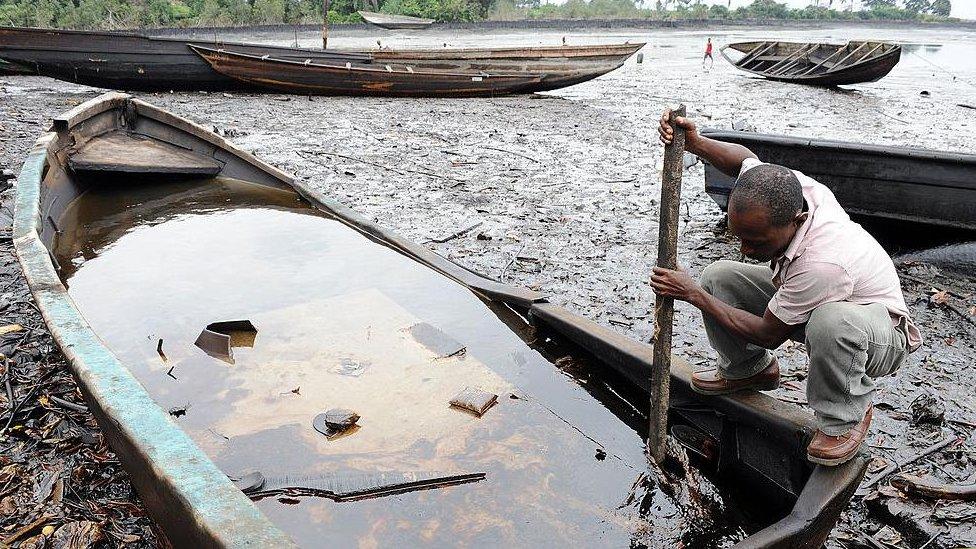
x=963, y=9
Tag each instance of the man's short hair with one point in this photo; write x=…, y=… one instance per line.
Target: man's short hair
x=771, y=187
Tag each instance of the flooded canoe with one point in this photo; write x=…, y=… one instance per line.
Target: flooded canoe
x=815, y=63
x=129, y=61
x=389, y=21
x=888, y=183
x=360, y=364
x=313, y=78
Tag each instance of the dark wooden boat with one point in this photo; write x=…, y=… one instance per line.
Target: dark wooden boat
x=308, y=77
x=11, y=69
x=71, y=209
x=892, y=183
x=394, y=22
x=134, y=61
x=814, y=63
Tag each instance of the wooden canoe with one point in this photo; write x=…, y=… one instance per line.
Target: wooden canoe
x=311, y=78
x=176, y=463
x=543, y=59
x=890, y=183
x=393, y=22
x=129, y=61
x=815, y=63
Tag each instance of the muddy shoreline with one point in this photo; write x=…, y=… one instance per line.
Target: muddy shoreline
x=559, y=192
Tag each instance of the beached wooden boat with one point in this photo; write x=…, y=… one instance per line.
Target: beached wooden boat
x=575, y=53
x=202, y=232
x=815, y=63
x=393, y=22
x=133, y=61
x=891, y=183
x=312, y=78
x=597, y=59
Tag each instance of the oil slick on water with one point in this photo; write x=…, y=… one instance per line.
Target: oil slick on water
x=333, y=312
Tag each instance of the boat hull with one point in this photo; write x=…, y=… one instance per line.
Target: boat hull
x=760, y=441
x=790, y=64
x=395, y=22
x=134, y=62
x=888, y=183
x=316, y=79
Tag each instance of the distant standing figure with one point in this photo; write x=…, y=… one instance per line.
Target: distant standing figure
x=708, y=54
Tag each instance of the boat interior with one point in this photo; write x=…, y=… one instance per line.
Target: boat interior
x=793, y=59
x=156, y=229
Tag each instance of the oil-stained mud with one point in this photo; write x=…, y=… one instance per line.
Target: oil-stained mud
x=160, y=261
x=559, y=192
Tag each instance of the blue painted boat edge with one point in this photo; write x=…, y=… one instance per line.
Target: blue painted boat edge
x=192, y=501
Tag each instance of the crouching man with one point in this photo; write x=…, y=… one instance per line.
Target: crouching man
x=826, y=282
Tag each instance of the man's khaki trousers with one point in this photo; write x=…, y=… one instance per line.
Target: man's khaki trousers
x=848, y=344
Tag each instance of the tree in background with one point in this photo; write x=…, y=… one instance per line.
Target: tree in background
x=917, y=6
x=942, y=8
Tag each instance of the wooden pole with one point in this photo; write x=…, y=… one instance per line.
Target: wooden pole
x=667, y=257
x=325, y=23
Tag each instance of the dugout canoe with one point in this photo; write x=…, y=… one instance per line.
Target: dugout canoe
x=921, y=186
x=816, y=64
x=112, y=172
x=395, y=22
x=128, y=61
x=312, y=78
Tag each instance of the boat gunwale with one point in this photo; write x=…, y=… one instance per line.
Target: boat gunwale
x=196, y=504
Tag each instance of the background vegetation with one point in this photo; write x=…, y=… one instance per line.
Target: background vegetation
x=122, y=14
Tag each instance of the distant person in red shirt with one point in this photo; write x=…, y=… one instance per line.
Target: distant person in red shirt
x=708, y=54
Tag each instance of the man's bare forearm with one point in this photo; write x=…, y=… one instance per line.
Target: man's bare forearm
x=742, y=324
x=727, y=157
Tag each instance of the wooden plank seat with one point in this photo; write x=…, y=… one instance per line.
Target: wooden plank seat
x=126, y=152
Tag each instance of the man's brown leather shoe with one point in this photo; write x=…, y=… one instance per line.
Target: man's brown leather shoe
x=827, y=450
x=710, y=382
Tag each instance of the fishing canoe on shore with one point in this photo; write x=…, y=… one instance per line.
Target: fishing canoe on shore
x=129, y=61
x=890, y=183
x=815, y=63
x=312, y=78
x=394, y=22
x=201, y=234
x=548, y=59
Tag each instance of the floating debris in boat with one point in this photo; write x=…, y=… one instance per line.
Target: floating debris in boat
x=352, y=486
x=159, y=350
x=335, y=422
x=474, y=400
x=219, y=338
x=436, y=340
x=179, y=411
x=350, y=367
x=249, y=482
x=695, y=441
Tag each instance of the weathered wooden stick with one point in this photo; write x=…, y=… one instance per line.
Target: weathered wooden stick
x=667, y=257
x=325, y=23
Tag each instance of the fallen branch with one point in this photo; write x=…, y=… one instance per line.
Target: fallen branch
x=458, y=234
x=912, y=484
x=66, y=404
x=892, y=467
x=515, y=153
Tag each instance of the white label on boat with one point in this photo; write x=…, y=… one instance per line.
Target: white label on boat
x=476, y=79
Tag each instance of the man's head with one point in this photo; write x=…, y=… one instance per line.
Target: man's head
x=765, y=210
